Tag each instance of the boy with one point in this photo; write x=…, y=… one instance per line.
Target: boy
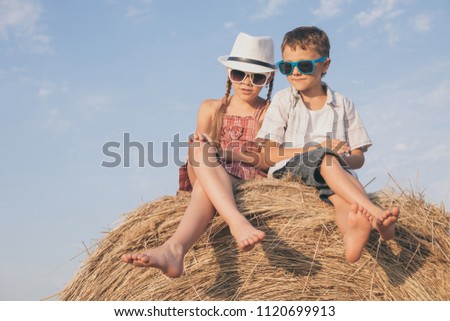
x=316, y=134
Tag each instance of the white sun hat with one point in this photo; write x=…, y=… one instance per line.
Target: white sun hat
x=251, y=54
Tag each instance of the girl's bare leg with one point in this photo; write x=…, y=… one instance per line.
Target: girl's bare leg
x=218, y=185
x=349, y=189
x=169, y=256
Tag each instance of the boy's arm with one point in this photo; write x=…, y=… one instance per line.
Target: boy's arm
x=249, y=156
x=269, y=153
x=273, y=153
x=261, y=155
x=355, y=159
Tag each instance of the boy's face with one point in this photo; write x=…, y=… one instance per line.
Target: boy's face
x=305, y=82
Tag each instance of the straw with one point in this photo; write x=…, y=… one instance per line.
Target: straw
x=301, y=258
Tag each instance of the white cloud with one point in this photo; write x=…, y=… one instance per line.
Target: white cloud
x=46, y=89
x=20, y=21
x=330, y=8
x=438, y=97
x=401, y=147
x=407, y=124
x=139, y=8
x=356, y=42
x=270, y=9
x=381, y=9
x=229, y=24
x=421, y=23
x=439, y=191
x=133, y=12
x=385, y=15
x=393, y=33
x=56, y=122
x=48, y=92
x=437, y=153
x=92, y=104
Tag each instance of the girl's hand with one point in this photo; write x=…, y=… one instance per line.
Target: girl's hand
x=196, y=137
x=205, y=138
x=200, y=137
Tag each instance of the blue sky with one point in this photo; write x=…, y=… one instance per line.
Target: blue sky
x=75, y=75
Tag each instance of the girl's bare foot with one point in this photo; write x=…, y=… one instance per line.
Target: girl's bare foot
x=359, y=224
x=386, y=223
x=246, y=235
x=167, y=257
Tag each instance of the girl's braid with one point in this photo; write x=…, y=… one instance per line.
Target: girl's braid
x=216, y=127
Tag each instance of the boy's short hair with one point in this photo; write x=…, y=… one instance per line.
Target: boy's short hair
x=307, y=37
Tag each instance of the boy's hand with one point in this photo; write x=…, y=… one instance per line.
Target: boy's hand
x=338, y=146
x=251, y=147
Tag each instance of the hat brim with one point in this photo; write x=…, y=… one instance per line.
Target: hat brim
x=244, y=66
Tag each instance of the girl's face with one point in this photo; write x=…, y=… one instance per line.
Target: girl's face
x=305, y=82
x=245, y=89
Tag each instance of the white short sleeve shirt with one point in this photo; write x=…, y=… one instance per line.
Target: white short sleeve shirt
x=287, y=118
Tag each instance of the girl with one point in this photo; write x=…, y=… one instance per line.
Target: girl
x=213, y=168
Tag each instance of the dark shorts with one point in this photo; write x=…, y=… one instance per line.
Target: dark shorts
x=306, y=167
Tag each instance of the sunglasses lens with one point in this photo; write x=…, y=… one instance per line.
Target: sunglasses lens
x=305, y=67
x=259, y=79
x=237, y=75
x=285, y=68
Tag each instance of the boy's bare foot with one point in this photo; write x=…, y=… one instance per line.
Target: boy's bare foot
x=167, y=257
x=359, y=224
x=386, y=223
x=246, y=235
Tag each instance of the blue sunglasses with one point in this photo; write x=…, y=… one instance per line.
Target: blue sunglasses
x=306, y=67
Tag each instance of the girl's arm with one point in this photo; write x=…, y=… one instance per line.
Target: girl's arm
x=205, y=116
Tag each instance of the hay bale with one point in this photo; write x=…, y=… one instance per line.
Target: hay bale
x=302, y=257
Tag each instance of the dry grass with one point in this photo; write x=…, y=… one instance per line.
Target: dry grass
x=300, y=259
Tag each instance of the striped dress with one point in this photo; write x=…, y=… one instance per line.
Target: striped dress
x=236, y=132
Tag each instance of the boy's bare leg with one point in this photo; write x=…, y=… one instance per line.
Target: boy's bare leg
x=388, y=217
x=359, y=224
x=354, y=223
x=343, y=184
x=218, y=185
x=385, y=223
x=169, y=256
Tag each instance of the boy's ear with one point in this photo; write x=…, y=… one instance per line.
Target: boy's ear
x=325, y=67
x=326, y=64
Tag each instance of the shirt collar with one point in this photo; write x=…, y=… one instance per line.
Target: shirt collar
x=331, y=97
